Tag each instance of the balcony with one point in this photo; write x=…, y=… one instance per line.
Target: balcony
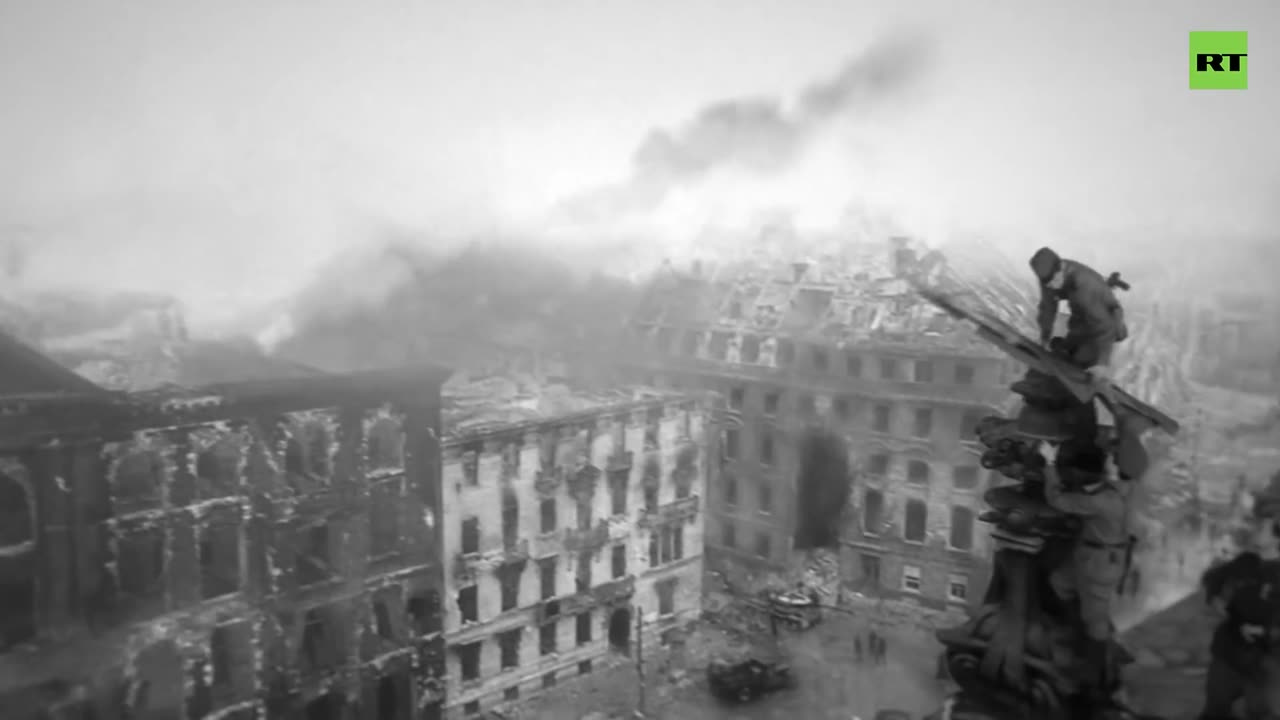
x=681, y=510
x=547, y=482
x=615, y=592
x=582, y=483
x=588, y=540
x=467, y=565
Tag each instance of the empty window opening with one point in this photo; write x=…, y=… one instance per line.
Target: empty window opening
x=469, y=603
x=470, y=535
x=620, y=629
x=509, y=644
x=424, y=612
x=219, y=560
x=469, y=660
x=582, y=628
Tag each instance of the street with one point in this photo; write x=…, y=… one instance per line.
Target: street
x=832, y=684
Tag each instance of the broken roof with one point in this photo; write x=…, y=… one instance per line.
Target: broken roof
x=861, y=296
x=26, y=371
x=484, y=405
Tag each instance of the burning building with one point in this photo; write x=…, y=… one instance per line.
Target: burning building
x=250, y=550
x=855, y=353
x=574, y=523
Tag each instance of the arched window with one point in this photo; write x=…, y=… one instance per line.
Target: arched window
x=218, y=469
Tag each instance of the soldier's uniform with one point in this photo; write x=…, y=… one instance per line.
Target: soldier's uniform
x=1245, y=651
x=1094, y=572
x=1097, y=319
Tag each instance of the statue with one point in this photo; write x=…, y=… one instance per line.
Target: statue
x=1042, y=645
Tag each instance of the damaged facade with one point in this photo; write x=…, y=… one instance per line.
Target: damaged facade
x=254, y=550
x=559, y=531
x=854, y=351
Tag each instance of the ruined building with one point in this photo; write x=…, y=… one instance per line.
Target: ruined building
x=850, y=348
x=251, y=550
x=565, y=524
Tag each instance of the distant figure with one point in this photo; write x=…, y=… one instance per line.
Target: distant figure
x=1097, y=319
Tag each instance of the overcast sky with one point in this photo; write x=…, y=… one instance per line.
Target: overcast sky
x=231, y=145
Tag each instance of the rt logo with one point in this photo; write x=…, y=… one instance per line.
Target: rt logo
x=1219, y=61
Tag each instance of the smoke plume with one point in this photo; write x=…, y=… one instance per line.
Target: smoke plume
x=757, y=135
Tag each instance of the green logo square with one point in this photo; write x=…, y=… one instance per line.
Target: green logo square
x=1219, y=60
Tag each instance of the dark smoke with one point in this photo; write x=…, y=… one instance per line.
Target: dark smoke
x=757, y=134
x=823, y=489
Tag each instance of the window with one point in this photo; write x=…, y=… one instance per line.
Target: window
x=731, y=443
x=820, y=362
x=764, y=545
x=878, y=465
x=510, y=519
x=880, y=418
x=666, y=597
x=470, y=535
x=766, y=448
x=914, y=526
x=750, y=350
x=547, y=638
x=853, y=365
x=923, y=371
x=382, y=620
x=584, y=513
x=547, y=577
x=549, y=680
x=654, y=548
x=964, y=374
x=220, y=653
x=509, y=581
x=841, y=407
x=471, y=466
x=584, y=572
x=423, y=610
x=964, y=477
x=618, y=492
x=737, y=396
x=384, y=517
x=650, y=499
x=219, y=560
x=786, y=352
x=771, y=402
x=469, y=659
x=471, y=708
x=923, y=425
x=509, y=644
x=870, y=567
x=730, y=489
x=729, y=535
x=469, y=603
x=584, y=667
x=888, y=369
x=765, y=502
x=314, y=561
x=582, y=629
x=618, y=560
x=511, y=694
x=547, y=515
x=918, y=472
x=873, y=512
x=961, y=528
x=911, y=578
x=672, y=543
x=969, y=425
x=957, y=588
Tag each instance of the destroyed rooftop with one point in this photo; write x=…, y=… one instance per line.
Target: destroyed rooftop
x=473, y=407
x=860, y=297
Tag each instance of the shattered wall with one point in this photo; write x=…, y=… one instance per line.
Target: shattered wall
x=271, y=556
x=564, y=528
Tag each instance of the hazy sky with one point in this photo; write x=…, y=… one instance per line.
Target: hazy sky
x=230, y=146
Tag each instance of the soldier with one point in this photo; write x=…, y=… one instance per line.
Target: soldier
x=1095, y=571
x=1245, y=651
x=1097, y=319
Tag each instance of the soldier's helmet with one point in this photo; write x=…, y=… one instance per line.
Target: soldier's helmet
x=1045, y=264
